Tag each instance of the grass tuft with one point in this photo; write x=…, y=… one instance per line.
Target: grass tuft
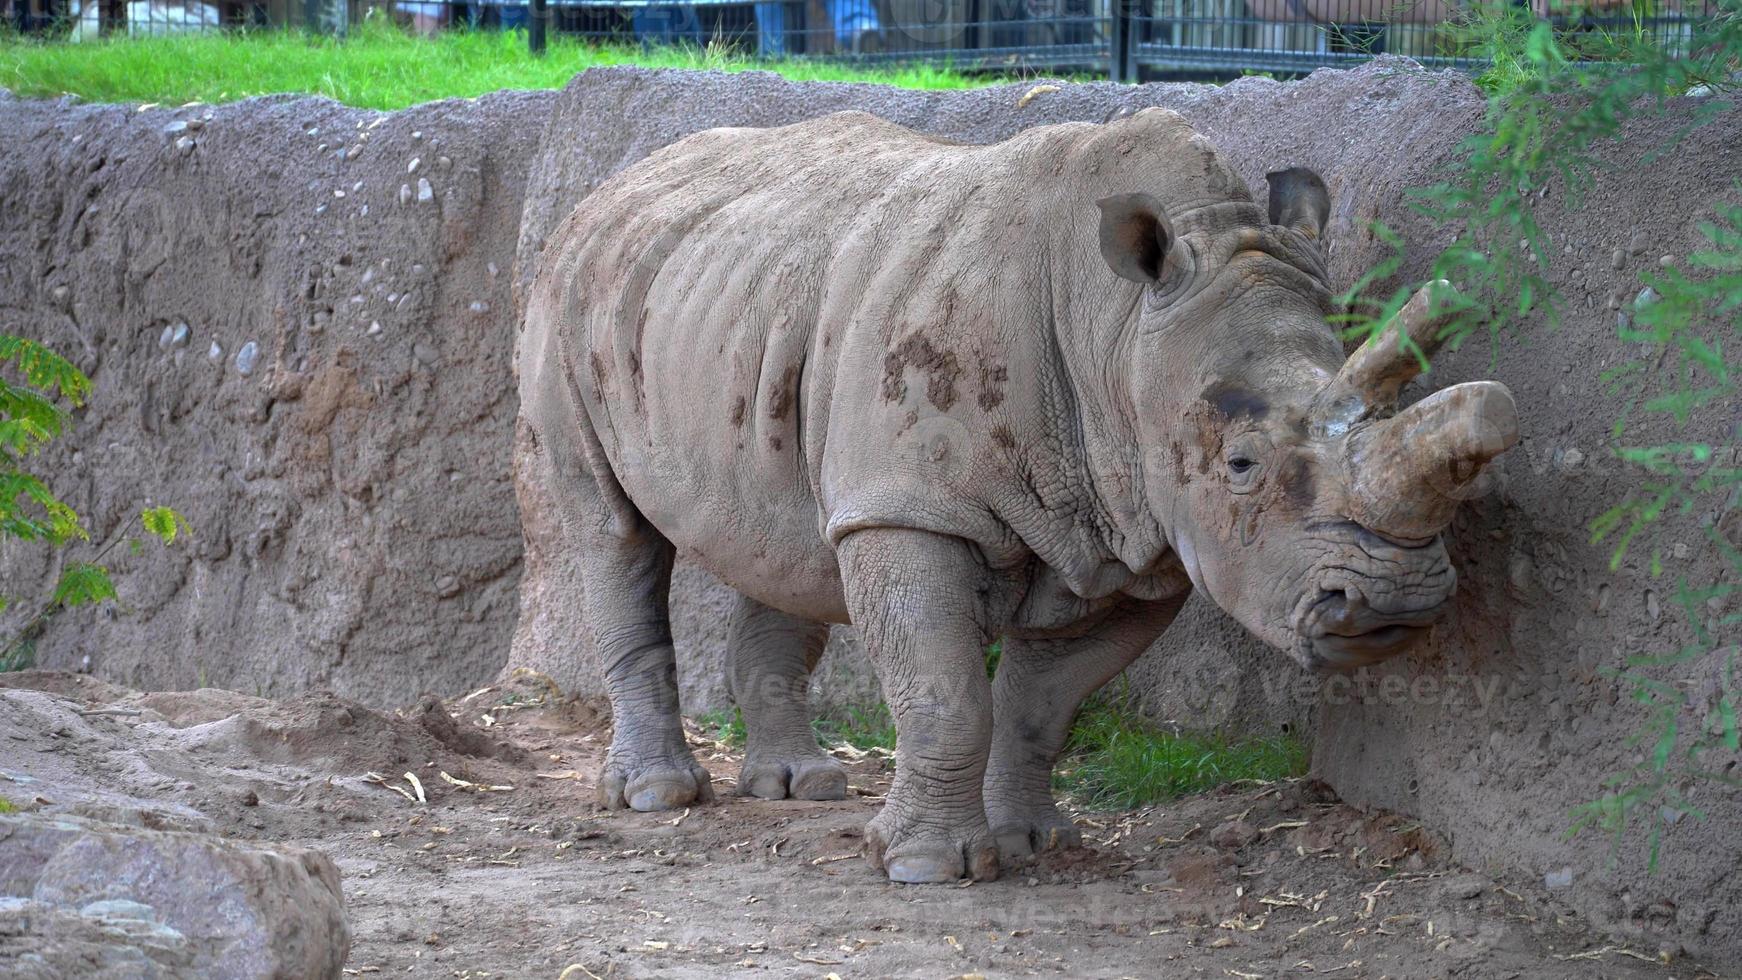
x=377, y=67
x=862, y=728
x=1117, y=761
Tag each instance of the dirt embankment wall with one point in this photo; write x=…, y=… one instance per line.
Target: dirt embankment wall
x=296, y=318
x=1510, y=717
x=355, y=498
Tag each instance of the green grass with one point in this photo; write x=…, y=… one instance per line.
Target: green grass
x=862, y=728
x=1117, y=761
x=378, y=67
x=6, y=806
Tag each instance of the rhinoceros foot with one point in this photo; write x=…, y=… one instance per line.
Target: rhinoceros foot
x=930, y=852
x=1027, y=831
x=800, y=777
x=659, y=784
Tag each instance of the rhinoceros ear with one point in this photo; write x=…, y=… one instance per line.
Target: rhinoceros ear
x=1299, y=200
x=1136, y=239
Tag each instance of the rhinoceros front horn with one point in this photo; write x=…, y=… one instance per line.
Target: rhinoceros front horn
x=1408, y=473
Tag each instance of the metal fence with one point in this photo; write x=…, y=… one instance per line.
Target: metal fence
x=1121, y=39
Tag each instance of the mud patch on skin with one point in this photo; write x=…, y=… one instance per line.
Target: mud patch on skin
x=1299, y=483
x=785, y=393
x=600, y=376
x=941, y=368
x=739, y=407
x=1236, y=401
x=992, y=379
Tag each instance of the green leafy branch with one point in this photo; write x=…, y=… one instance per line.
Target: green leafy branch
x=31, y=417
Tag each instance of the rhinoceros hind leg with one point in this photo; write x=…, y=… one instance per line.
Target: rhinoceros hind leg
x=1035, y=697
x=918, y=602
x=769, y=659
x=627, y=574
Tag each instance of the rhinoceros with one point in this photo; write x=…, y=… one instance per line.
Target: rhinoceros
x=1038, y=390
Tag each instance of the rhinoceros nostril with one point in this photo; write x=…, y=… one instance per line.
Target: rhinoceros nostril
x=1339, y=611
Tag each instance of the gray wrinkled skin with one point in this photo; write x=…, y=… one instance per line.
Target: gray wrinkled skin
x=1037, y=390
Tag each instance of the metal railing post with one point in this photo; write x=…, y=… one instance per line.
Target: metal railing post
x=1119, y=64
x=536, y=14
x=111, y=17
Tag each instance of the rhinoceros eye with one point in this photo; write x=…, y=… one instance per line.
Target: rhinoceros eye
x=1242, y=463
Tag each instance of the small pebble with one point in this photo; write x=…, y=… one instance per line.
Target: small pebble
x=411, y=167
x=1646, y=297
x=405, y=193
x=215, y=353
x=176, y=128
x=354, y=152
x=1665, y=261
x=1558, y=880
x=1618, y=260
x=444, y=162
x=425, y=193
x=196, y=124
x=374, y=327
x=185, y=145
x=246, y=357
x=164, y=338
x=480, y=307
x=417, y=134
x=182, y=333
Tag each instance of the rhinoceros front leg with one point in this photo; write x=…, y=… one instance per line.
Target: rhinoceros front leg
x=769, y=660
x=627, y=577
x=1040, y=685
x=917, y=601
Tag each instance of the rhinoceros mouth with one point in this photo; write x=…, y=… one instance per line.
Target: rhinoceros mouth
x=1341, y=634
x=1337, y=652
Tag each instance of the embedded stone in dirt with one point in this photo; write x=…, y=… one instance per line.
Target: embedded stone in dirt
x=186, y=903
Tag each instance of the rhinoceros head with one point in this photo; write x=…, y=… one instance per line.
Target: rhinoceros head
x=1294, y=492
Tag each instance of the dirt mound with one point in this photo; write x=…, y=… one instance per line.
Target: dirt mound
x=519, y=874
x=1510, y=717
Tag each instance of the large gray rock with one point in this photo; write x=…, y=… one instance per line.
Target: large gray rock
x=163, y=903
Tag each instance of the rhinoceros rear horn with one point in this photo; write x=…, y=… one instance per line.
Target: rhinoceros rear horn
x=1299, y=200
x=1136, y=239
x=1388, y=360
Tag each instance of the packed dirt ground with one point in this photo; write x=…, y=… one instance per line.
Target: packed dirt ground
x=471, y=846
